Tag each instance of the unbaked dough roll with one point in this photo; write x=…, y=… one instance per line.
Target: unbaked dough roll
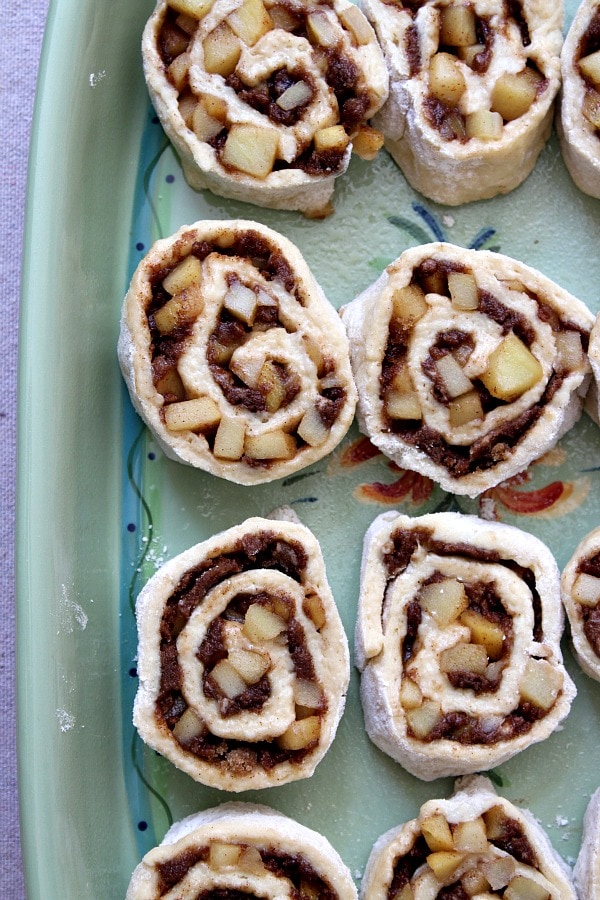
x=232, y=354
x=469, y=365
x=474, y=843
x=581, y=597
x=241, y=850
x=579, y=120
x=472, y=89
x=587, y=867
x=458, y=641
x=242, y=658
x=263, y=100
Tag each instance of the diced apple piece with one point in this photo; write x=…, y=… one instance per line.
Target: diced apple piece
x=186, y=23
x=271, y=383
x=586, y=590
x=464, y=292
x=409, y=305
x=403, y=405
x=187, y=104
x=333, y=137
x=170, y=384
x=514, y=93
x=275, y=444
x=465, y=409
x=312, y=607
x=312, y=429
x=454, y=379
x=222, y=50
x=178, y=71
x=474, y=882
x=354, y=20
x=512, y=369
x=250, y=664
x=468, y=54
x=444, y=863
x=470, y=836
x=367, y=142
x=204, y=125
x=215, y=107
x=228, y=679
x=296, y=95
x=241, y=302
x=424, y=718
x=405, y=893
x=444, y=600
x=182, y=309
x=261, y=624
x=229, y=439
x=402, y=381
x=250, y=21
x=485, y=632
x=199, y=414
x=194, y=8
x=463, y=657
x=410, y=694
x=246, y=368
x=281, y=606
x=523, y=888
x=221, y=855
x=589, y=66
x=496, y=821
x=446, y=80
x=484, y=125
x=321, y=30
x=307, y=694
x=185, y=274
x=283, y=18
x=541, y=683
x=499, y=871
x=251, y=149
x=250, y=861
x=436, y=831
x=188, y=726
x=300, y=734
x=458, y=26
x=591, y=108
x=569, y=349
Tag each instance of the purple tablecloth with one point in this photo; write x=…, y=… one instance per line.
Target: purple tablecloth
x=18, y=71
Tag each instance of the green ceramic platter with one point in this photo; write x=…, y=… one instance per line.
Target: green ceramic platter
x=99, y=506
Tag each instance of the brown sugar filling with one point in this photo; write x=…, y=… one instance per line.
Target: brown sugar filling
x=591, y=615
x=261, y=551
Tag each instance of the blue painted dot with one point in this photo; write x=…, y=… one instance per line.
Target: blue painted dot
x=142, y=826
x=131, y=527
x=151, y=455
x=139, y=246
x=133, y=672
x=170, y=179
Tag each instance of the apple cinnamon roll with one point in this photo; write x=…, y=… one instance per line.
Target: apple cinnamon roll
x=472, y=89
x=469, y=365
x=242, y=658
x=587, y=868
x=232, y=354
x=458, y=642
x=473, y=844
x=581, y=598
x=241, y=850
x=579, y=120
x=263, y=100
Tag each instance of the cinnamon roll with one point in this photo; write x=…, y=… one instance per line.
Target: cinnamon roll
x=579, y=120
x=581, y=597
x=241, y=850
x=587, y=868
x=242, y=658
x=472, y=89
x=232, y=354
x=458, y=642
x=263, y=100
x=469, y=365
x=473, y=844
